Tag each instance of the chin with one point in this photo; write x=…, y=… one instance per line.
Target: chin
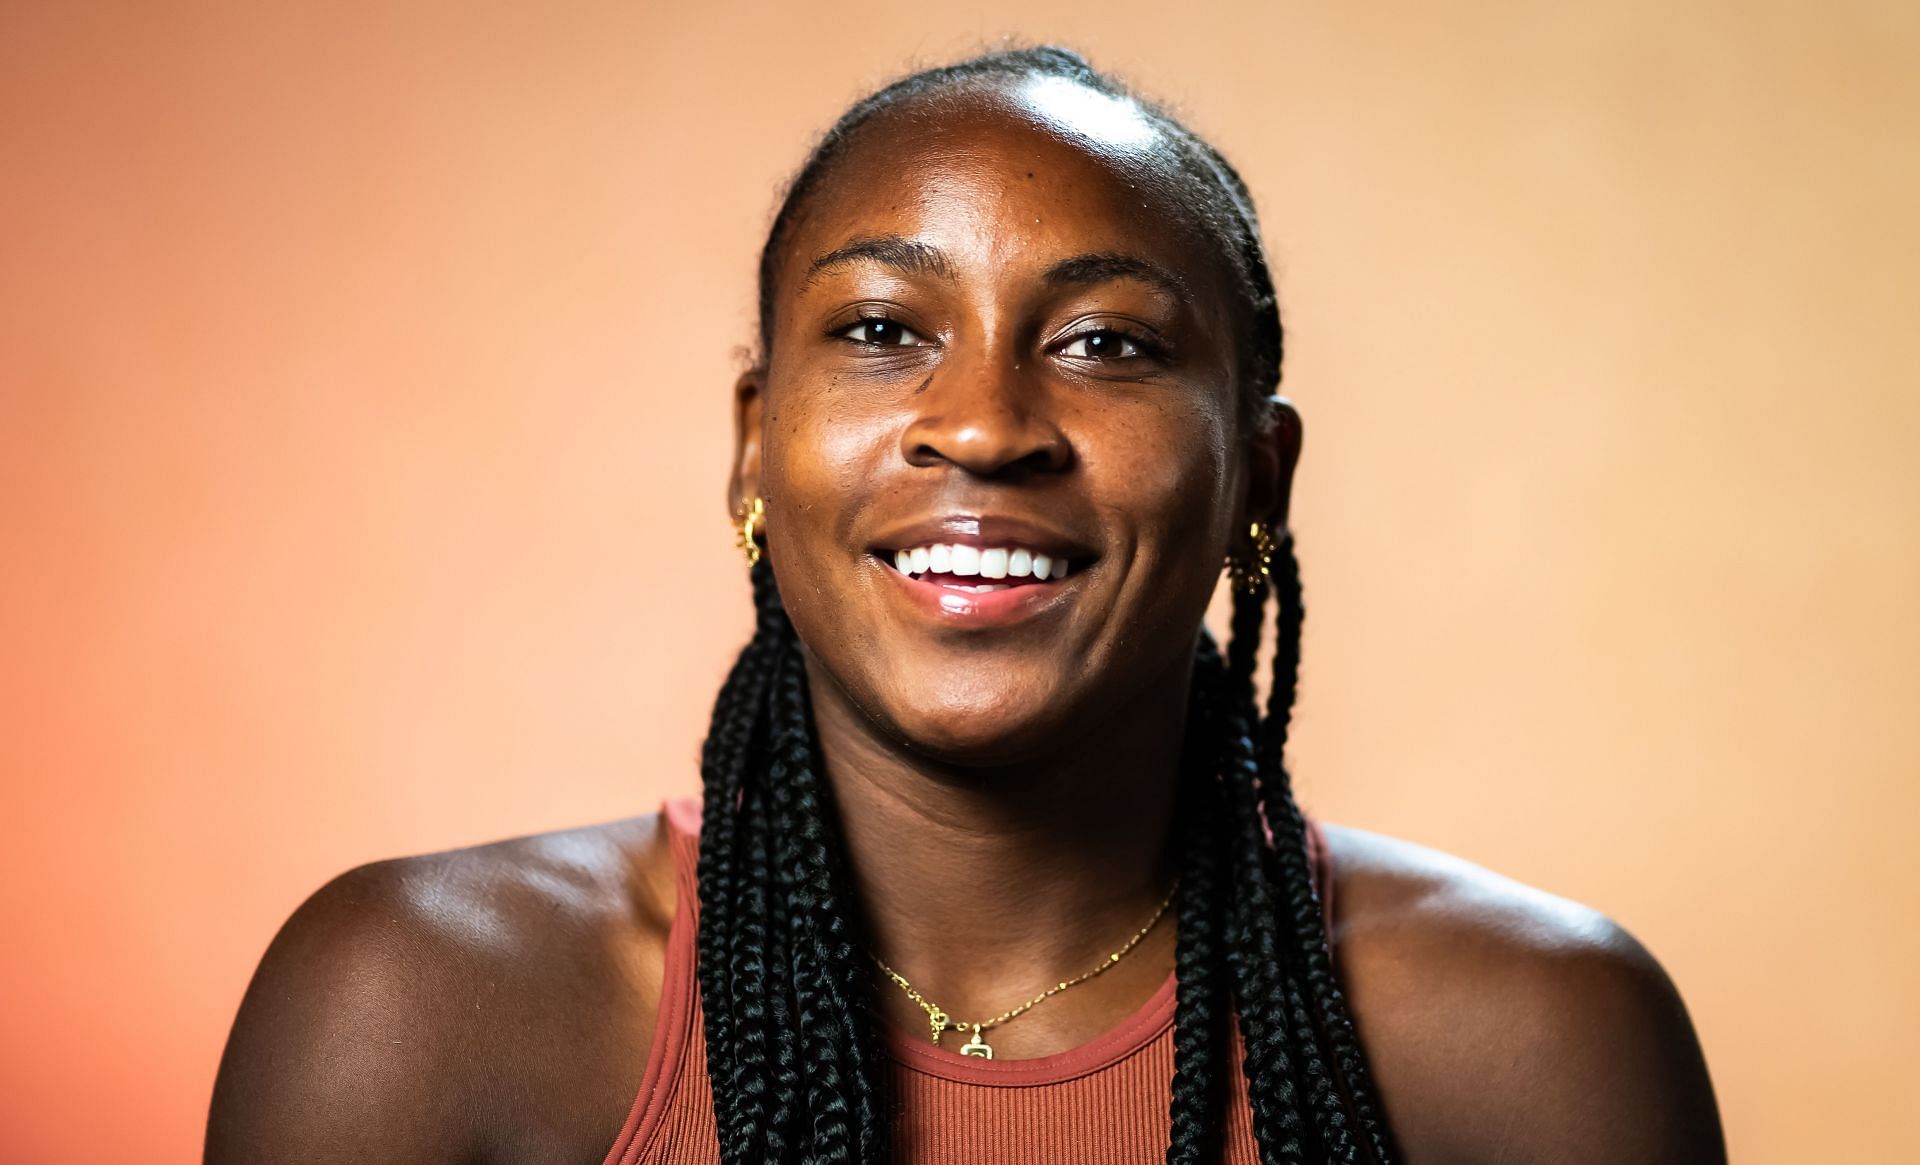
x=977, y=726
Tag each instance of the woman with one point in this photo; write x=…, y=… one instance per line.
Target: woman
x=997, y=860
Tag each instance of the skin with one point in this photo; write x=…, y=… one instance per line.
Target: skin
x=497, y=1003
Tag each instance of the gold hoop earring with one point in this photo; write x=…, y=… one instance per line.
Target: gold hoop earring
x=1251, y=568
x=751, y=519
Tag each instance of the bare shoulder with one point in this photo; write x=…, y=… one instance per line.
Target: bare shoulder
x=1507, y=1024
x=408, y=1004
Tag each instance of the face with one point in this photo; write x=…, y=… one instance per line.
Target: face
x=1000, y=433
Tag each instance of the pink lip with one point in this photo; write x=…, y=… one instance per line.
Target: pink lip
x=981, y=609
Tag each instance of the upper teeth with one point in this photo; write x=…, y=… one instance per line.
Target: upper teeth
x=985, y=561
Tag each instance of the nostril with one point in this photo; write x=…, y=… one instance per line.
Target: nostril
x=1053, y=457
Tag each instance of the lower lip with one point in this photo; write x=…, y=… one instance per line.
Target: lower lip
x=980, y=608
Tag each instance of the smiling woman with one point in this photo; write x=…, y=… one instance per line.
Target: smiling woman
x=998, y=859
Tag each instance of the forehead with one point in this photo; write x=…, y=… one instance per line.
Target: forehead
x=1002, y=174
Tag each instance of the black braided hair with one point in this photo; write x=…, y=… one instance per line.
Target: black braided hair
x=780, y=950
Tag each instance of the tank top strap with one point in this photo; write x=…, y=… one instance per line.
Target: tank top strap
x=675, y=1025
x=1320, y=863
x=681, y=816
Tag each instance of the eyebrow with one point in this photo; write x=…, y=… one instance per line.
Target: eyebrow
x=903, y=254
x=1083, y=270
x=918, y=258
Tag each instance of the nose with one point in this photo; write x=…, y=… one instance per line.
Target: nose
x=989, y=422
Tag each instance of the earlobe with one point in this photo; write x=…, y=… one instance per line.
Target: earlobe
x=744, y=483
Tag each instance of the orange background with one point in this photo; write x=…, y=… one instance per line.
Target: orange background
x=363, y=423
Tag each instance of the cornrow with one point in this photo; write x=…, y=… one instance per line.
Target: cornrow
x=779, y=940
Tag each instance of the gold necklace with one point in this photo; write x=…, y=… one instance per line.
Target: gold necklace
x=939, y=1022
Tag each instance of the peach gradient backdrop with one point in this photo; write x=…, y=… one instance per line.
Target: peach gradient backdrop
x=363, y=420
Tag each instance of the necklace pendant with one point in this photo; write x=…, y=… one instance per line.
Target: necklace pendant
x=977, y=1046
x=938, y=1021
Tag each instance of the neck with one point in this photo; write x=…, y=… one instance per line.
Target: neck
x=986, y=886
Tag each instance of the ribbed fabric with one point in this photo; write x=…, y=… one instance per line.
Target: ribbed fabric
x=1105, y=1101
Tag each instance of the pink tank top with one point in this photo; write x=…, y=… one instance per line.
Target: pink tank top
x=1105, y=1101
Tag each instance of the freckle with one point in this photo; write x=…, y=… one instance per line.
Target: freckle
x=924, y=384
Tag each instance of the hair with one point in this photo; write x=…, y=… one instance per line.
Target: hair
x=780, y=947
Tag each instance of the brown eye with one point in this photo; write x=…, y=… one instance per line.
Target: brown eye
x=880, y=332
x=1101, y=345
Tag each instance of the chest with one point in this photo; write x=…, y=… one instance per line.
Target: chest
x=1107, y=1103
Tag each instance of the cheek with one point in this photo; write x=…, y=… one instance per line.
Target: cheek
x=1169, y=467
x=819, y=451
x=822, y=451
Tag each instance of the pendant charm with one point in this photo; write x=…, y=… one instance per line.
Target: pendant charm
x=977, y=1046
x=938, y=1021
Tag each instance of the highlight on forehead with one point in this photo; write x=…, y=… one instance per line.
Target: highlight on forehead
x=1102, y=119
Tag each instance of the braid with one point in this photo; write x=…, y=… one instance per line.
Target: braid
x=1278, y=807
x=730, y=941
x=1202, y=1005
x=1253, y=948
x=1281, y=1046
x=754, y=996
x=778, y=952
x=825, y=967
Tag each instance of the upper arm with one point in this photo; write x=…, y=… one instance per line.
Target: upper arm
x=336, y=1055
x=1595, y=1063
x=1505, y=1025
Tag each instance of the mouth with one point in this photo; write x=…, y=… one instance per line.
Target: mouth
x=974, y=569
x=983, y=571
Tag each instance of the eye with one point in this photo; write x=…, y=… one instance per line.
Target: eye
x=881, y=332
x=1104, y=344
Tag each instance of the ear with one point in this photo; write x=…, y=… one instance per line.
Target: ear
x=744, y=483
x=1272, y=454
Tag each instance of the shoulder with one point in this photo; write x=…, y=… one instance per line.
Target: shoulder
x=406, y=1000
x=1505, y=1023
